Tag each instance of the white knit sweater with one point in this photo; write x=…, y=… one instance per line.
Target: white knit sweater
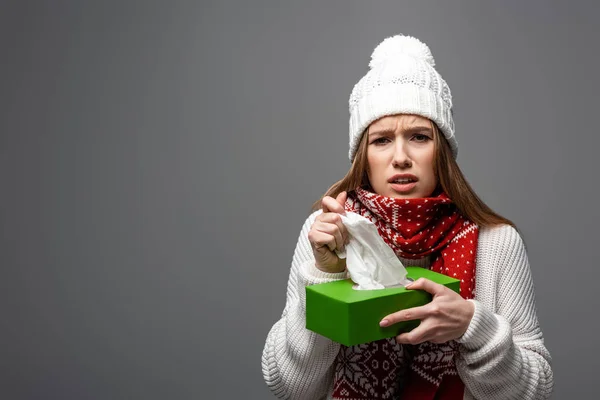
x=502, y=353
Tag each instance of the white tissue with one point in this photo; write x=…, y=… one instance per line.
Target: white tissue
x=372, y=264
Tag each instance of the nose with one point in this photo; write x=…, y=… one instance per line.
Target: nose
x=401, y=157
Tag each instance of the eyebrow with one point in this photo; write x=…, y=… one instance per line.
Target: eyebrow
x=419, y=128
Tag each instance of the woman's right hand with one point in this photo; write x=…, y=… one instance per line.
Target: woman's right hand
x=328, y=234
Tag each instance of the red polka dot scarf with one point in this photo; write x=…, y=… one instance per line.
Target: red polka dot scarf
x=413, y=228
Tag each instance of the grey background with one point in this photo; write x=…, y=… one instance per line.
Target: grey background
x=157, y=161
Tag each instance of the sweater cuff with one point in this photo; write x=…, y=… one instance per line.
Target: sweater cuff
x=311, y=275
x=481, y=329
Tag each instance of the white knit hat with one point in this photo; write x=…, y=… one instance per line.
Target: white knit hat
x=401, y=80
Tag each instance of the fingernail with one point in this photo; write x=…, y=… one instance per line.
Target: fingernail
x=384, y=322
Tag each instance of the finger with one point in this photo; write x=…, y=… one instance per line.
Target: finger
x=341, y=198
x=324, y=206
x=334, y=218
x=426, y=285
x=321, y=240
x=408, y=314
x=333, y=230
x=330, y=217
x=329, y=204
x=420, y=334
x=416, y=336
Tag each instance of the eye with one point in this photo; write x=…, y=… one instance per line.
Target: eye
x=380, y=141
x=419, y=137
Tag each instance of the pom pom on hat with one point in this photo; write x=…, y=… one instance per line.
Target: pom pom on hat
x=398, y=45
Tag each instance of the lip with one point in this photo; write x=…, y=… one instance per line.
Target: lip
x=401, y=176
x=403, y=187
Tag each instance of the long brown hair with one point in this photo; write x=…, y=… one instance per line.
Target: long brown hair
x=450, y=179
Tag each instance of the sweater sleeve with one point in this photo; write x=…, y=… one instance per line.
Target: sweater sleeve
x=502, y=352
x=298, y=363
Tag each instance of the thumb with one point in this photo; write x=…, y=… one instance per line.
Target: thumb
x=341, y=198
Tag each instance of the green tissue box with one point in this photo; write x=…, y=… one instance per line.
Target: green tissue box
x=349, y=316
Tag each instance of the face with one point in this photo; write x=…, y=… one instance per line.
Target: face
x=400, y=155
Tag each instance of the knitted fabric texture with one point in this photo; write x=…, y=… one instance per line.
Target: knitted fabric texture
x=401, y=80
x=413, y=228
x=502, y=354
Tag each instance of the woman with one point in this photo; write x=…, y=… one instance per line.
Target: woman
x=485, y=343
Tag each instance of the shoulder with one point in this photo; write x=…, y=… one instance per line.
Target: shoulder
x=500, y=248
x=501, y=238
x=501, y=254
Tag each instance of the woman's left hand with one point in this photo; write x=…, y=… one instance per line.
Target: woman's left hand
x=445, y=318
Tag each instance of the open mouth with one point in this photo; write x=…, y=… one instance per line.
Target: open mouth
x=403, y=181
